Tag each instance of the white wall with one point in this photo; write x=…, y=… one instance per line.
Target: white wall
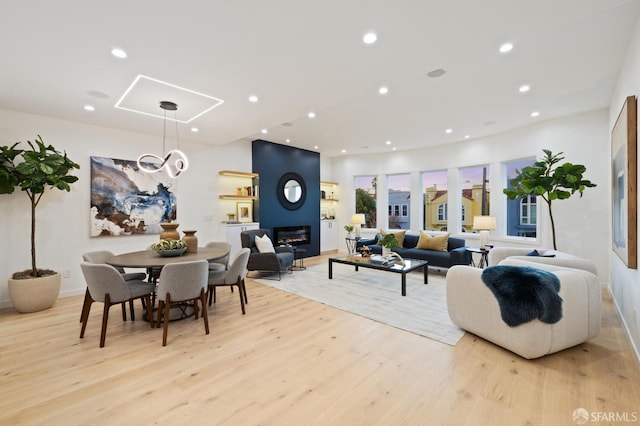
x=625, y=283
x=62, y=233
x=582, y=224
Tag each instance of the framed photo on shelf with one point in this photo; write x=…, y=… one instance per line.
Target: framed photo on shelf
x=244, y=211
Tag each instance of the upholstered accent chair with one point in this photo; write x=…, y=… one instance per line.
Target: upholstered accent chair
x=277, y=262
x=105, y=284
x=182, y=282
x=473, y=307
x=100, y=257
x=234, y=276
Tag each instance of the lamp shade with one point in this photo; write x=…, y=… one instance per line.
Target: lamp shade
x=357, y=219
x=484, y=222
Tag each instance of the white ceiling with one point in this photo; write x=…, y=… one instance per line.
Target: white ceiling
x=300, y=56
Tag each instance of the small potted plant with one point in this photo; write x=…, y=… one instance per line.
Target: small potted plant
x=388, y=242
x=349, y=229
x=34, y=170
x=231, y=217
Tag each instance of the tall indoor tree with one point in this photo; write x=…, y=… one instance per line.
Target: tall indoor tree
x=549, y=180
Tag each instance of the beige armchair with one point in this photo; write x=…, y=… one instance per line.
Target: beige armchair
x=473, y=307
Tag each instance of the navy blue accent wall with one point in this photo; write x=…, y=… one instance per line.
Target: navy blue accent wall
x=271, y=161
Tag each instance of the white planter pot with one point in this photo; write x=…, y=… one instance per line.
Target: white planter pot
x=34, y=294
x=386, y=251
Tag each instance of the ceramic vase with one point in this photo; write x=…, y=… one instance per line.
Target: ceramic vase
x=386, y=251
x=169, y=231
x=191, y=240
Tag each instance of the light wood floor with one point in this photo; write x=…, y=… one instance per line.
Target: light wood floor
x=292, y=361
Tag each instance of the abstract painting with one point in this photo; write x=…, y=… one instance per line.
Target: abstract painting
x=624, y=182
x=127, y=201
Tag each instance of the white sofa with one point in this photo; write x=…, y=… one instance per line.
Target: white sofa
x=473, y=307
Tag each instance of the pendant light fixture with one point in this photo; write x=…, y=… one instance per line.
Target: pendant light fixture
x=174, y=161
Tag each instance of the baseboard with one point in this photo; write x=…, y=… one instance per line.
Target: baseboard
x=624, y=325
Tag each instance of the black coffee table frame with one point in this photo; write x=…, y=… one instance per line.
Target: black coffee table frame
x=409, y=265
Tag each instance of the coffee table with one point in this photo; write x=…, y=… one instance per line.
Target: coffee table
x=407, y=266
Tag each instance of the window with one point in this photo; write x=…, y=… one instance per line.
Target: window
x=399, y=191
x=434, y=200
x=365, y=187
x=442, y=212
x=475, y=195
x=522, y=213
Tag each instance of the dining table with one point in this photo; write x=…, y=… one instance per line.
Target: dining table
x=152, y=261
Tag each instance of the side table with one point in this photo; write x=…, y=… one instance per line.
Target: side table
x=298, y=259
x=484, y=258
x=352, y=243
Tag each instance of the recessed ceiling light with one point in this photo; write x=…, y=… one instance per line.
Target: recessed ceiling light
x=315, y=147
x=264, y=131
x=343, y=151
x=535, y=114
x=383, y=90
x=448, y=131
x=466, y=136
x=288, y=141
x=524, y=88
x=89, y=108
x=393, y=149
x=370, y=38
x=195, y=129
x=388, y=142
x=311, y=115
x=439, y=72
x=506, y=47
x=118, y=53
x=253, y=99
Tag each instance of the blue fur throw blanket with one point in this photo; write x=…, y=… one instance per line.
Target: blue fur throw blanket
x=524, y=293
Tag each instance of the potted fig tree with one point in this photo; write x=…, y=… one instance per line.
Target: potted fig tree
x=33, y=170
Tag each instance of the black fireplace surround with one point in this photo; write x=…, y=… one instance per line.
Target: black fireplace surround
x=292, y=235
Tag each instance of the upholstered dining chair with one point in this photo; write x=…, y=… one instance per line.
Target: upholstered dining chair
x=182, y=282
x=100, y=257
x=220, y=264
x=106, y=285
x=234, y=276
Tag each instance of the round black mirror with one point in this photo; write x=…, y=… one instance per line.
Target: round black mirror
x=292, y=191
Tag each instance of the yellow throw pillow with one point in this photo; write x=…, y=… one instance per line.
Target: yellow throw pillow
x=398, y=234
x=437, y=243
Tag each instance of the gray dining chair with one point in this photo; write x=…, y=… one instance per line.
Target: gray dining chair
x=106, y=285
x=100, y=257
x=234, y=276
x=181, y=283
x=223, y=263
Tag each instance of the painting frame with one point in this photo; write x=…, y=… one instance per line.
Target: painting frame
x=624, y=174
x=244, y=211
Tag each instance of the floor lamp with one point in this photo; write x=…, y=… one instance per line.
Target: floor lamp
x=484, y=224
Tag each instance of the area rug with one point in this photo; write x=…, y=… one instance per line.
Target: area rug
x=376, y=295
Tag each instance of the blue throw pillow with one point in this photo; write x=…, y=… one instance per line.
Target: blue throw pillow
x=533, y=253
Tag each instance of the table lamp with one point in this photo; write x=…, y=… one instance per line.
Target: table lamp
x=484, y=224
x=357, y=220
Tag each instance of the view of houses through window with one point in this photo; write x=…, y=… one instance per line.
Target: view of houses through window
x=522, y=213
x=399, y=193
x=475, y=195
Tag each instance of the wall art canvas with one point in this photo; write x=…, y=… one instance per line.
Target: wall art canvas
x=624, y=183
x=128, y=201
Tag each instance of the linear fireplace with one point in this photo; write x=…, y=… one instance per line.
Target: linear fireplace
x=293, y=235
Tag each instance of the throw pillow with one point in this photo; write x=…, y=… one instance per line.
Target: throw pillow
x=436, y=243
x=533, y=253
x=398, y=234
x=264, y=244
